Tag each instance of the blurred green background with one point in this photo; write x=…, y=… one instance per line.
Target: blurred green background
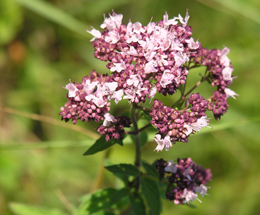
x=43, y=44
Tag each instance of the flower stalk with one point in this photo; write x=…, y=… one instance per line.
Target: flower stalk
x=137, y=142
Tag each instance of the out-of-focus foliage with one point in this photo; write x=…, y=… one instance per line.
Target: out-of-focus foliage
x=44, y=44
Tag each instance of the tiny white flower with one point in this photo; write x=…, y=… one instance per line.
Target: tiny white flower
x=171, y=167
x=223, y=57
x=201, y=122
x=108, y=119
x=202, y=190
x=227, y=73
x=118, y=66
x=230, y=93
x=196, y=126
x=180, y=58
x=72, y=90
x=189, y=196
x=150, y=67
x=113, y=22
x=192, y=44
x=167, y=22
x=118, y=95
x=152, y=92
x=134, y=80
x=187, y=173
x=95, y=33
x=167, y=78
x=162, y=143
x=185, y=21
x=113, y=37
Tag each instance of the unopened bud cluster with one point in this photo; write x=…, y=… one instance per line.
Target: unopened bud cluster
x=185, y=179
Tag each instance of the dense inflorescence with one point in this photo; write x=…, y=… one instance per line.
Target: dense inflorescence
x=113, y=127
x=176, y=125
x=143, y=61
x=185, y=179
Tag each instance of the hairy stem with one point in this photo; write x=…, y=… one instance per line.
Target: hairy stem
x=137, y=142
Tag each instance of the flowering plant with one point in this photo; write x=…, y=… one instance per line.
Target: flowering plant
x=145, y=61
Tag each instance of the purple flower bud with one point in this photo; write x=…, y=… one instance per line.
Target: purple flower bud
x=186, y=179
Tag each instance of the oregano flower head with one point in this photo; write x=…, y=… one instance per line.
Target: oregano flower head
x=145, y=61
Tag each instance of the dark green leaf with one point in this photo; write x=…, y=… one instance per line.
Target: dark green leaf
x=162, y=189
x=152, y=195
x=150, y=169
x=124, y=169
x=101, y=200
x=21, y=209
x=126, y=114
x=137, y=204
x=147, y=116
x=143, y=138
x=124, y=178
x=101, y=144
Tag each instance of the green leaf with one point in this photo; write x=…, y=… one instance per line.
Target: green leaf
x=21, y=209
x=101, y=144
x=124, y=178
x=101, y=200
x=162, y=189
x=56, y=15
x=147, y=116
x=143, y=138
x=152, y=195
x=137, y=204
x=124, y=169
x=150, y=169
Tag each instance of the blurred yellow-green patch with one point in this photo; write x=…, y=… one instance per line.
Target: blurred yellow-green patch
x=43, y=44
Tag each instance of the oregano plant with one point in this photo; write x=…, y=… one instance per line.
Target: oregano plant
x=144, y=61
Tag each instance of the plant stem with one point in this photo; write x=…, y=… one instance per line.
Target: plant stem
x=196, y=85
x=137, y=142
x=138, y=131
x=183, y=97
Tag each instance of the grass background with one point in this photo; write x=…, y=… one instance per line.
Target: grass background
x=43, y=44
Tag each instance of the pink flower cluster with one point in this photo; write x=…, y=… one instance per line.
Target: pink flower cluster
x=176, y=125
x=143, y=61
x=113, y=127
x=185, y=179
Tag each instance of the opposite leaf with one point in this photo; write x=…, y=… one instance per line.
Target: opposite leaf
x=150, y=169
x=124, y=169
x=101, y=144
x=101, y=200
x=152, y=195
x=137, y=204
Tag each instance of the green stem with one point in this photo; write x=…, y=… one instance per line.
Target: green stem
x=138, y=131
x=137, y=142
x=183, y=96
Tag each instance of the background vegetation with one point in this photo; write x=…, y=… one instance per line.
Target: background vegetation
x=43, y=44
